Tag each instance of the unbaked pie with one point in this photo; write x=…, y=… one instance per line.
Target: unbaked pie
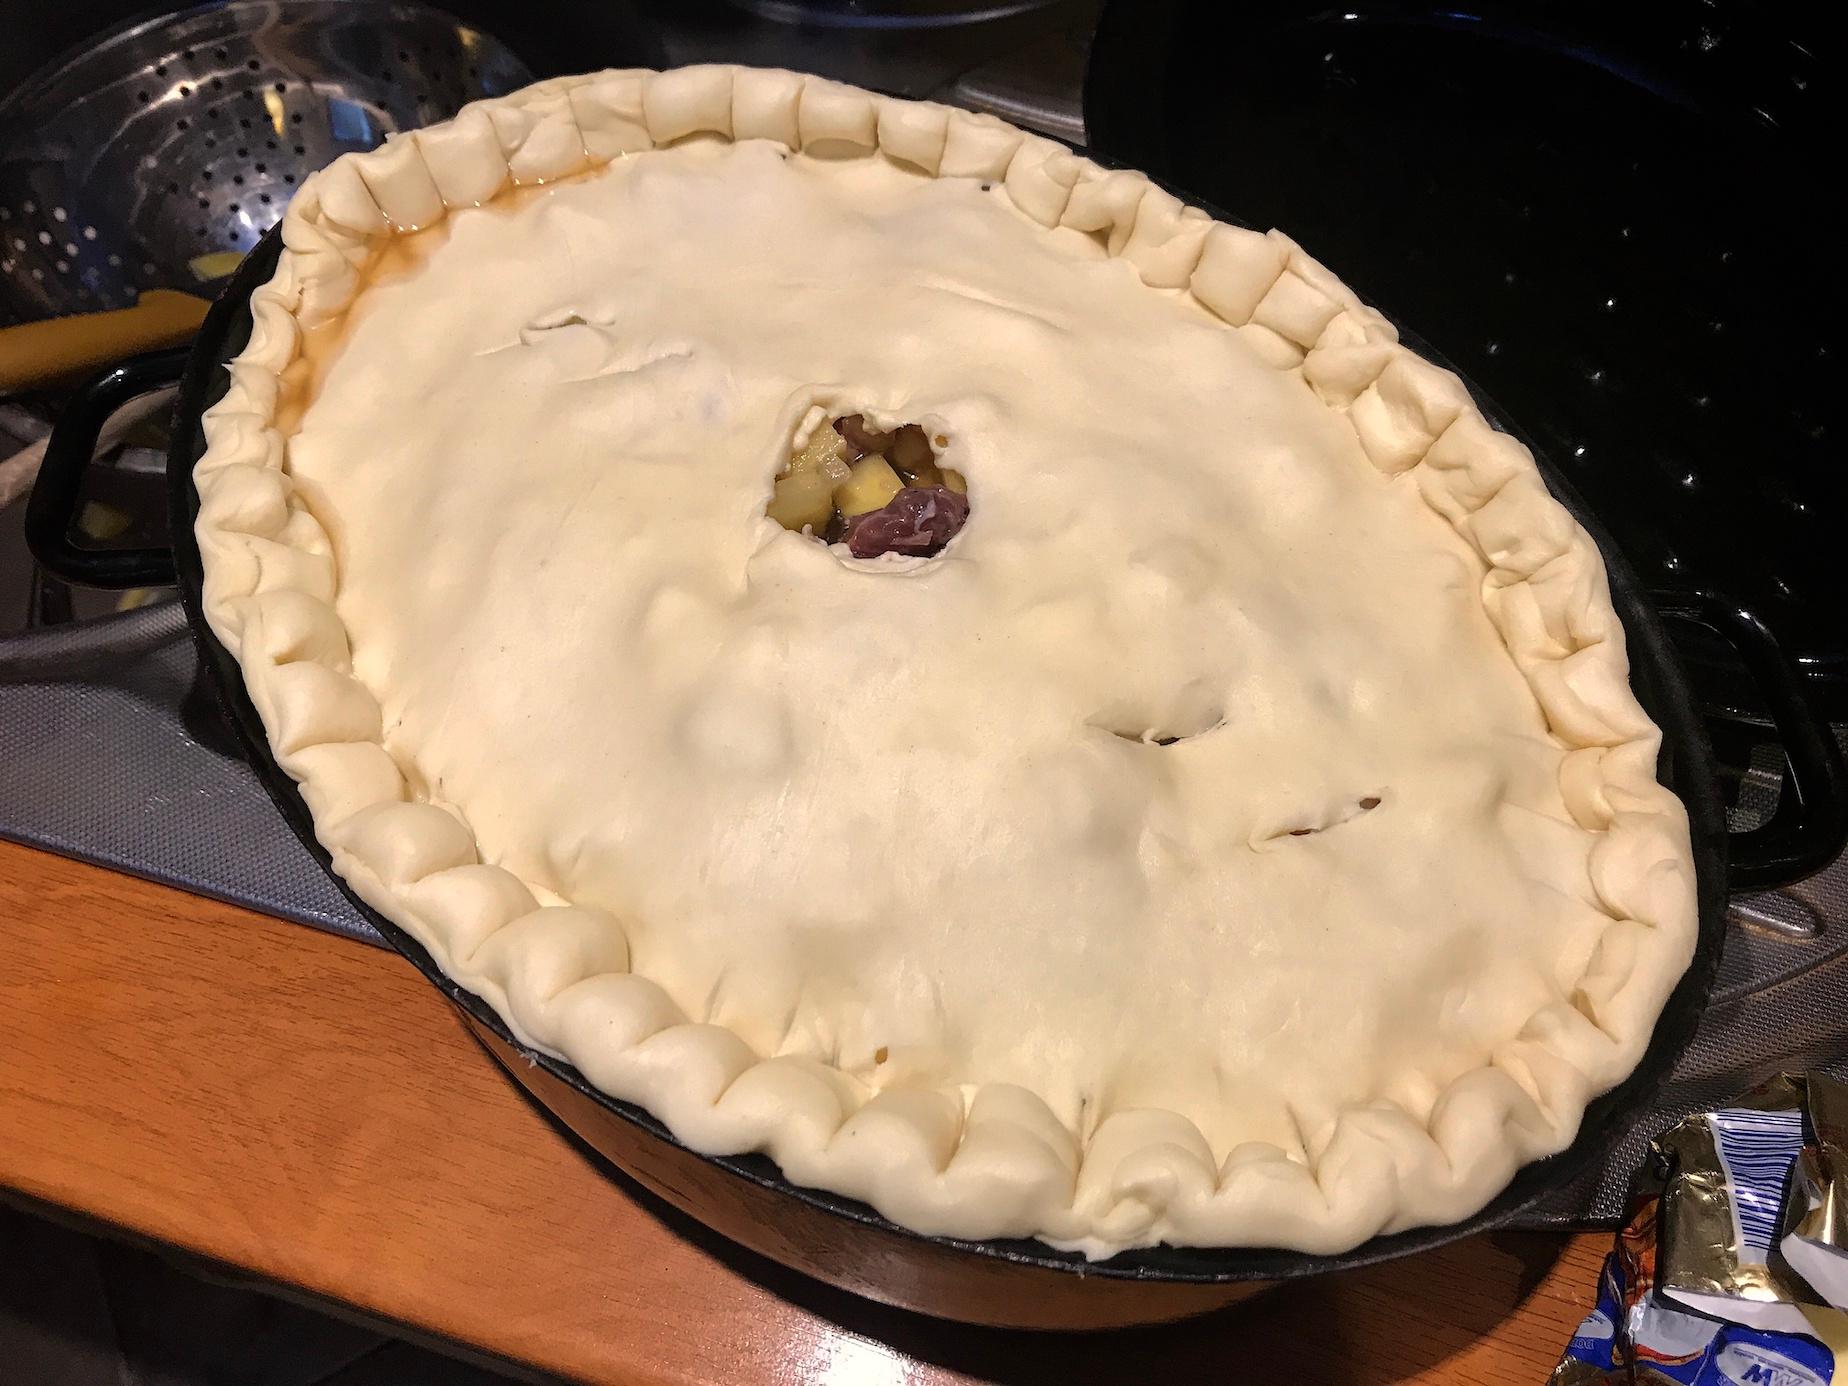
x=1235, y=828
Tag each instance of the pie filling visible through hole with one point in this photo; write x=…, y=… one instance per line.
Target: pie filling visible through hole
x=876, y=491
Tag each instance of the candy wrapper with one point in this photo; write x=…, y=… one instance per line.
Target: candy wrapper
x=1816, y=1247
x=1731, y=1268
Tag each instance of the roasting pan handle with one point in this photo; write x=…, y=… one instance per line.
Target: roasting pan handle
x=51, y=512
x=1810, y=825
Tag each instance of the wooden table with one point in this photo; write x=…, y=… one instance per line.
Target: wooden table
x=309, y=1109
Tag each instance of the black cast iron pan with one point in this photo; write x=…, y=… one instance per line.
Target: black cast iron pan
x=1014, y=1283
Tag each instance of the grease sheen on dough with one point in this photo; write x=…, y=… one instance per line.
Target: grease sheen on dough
x=885, y=820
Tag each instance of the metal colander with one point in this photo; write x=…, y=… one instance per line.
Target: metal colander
x=160, y=154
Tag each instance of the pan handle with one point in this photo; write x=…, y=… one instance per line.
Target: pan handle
x=1810, y=825
x=52, y=508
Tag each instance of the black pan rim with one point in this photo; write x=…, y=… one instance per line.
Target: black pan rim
x=1686, y=763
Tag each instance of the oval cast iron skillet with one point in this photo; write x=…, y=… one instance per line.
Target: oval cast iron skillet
x=1019, y=1283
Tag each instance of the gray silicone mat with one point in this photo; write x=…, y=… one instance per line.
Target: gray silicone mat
x=108, y=769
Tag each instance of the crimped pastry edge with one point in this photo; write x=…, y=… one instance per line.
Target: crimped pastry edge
x=991, y=1161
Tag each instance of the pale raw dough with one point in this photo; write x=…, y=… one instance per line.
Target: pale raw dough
x=893, y=817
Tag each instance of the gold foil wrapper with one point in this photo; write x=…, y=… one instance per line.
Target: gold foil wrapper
x=1697, y=1288
x=1706, y=1257
x=1822, y=1169
x=1702, y=1249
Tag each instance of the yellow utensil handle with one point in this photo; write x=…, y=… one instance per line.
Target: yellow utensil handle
x=36, y=354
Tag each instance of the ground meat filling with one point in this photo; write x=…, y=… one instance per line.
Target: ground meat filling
x=879, y=491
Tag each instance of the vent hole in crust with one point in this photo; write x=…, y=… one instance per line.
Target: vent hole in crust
x=875, y=490
x=1178, y=714
x=1344, y=814
x=1170, y=731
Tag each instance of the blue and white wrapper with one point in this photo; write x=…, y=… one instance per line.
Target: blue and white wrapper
x=1704, y=1287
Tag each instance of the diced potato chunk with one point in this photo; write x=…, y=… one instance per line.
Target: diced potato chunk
x=803, y=499
x=911, y=456
x=825, y=452
x=913, y=468
x=954, y=480
x=868, y=487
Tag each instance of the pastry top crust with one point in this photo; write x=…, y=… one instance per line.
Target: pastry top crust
x=878, y=866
